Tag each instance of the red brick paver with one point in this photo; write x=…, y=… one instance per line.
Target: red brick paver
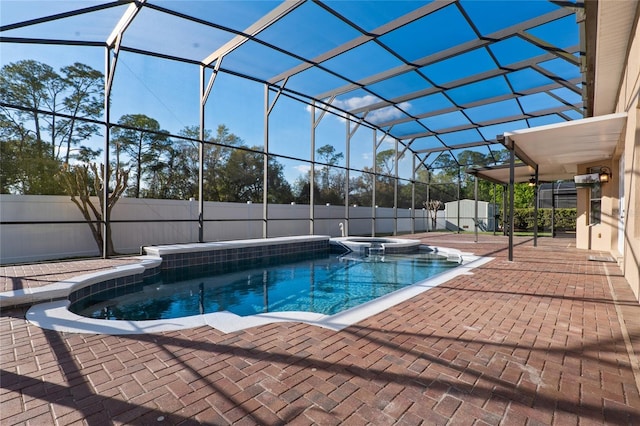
x=19, y=277
x=540, y=340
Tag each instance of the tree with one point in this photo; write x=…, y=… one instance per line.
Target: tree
x=232, y=172
x=241, y=179
x=34, y=135
x=217, y=152
x=278, y=188
x=29, y=84
x=83, y=181
x=175, y=176
x=523, y=195
x=329, y=157
x=385, y=164
x=84, y=100
x=432, y=207
x=141, y=138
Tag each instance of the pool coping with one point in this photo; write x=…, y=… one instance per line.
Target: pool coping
x=62, y=289
x=54, y=315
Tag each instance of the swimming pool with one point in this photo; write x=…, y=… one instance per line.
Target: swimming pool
x=51, y=308
x=324, y=284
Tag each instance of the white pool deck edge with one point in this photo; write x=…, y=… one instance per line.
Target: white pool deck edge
x=62, y=289
x=55, y=315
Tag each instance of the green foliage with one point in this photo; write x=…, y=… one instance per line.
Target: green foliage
x=42, y=122
x=143, y=142
x=523, y=195
x=52, y=123
x=329, y=185
x=523, y=219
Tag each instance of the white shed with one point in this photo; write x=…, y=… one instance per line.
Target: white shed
x=486, y=215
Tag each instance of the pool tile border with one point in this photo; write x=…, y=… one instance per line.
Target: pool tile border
x=226, y=252
x=221, y=254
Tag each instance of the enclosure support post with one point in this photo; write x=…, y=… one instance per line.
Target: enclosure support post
x=553, y=209
x=494, y=211
x=512, y=159
x=395, y=191
x=535, y=210
x=475, y=197
x=458, y=202
x=265, y=170
x=105, y=189
x=201, y=156
x=412, y=215
x=428, y=197
x=347, y=214
x=504, y=210
x=312, y=172
x=373, y=190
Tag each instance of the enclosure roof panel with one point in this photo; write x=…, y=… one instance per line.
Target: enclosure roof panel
x=453, y=73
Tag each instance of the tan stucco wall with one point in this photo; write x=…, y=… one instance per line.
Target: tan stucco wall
x=629, y=101
x=631, y=255
x=604, y=236
x=597, y=237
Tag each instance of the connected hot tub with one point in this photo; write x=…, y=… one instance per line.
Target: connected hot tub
x=376, y=246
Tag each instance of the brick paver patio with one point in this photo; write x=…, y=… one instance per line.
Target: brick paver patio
x=550, y=338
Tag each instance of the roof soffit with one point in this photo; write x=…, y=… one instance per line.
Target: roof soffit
x=615, y=21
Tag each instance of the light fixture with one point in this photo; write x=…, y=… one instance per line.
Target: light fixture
x=532, y=181
x=605, y=174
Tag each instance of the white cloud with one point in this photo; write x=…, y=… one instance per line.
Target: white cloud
x=356, y=102
x=303, y=168
x=376, y=116
x=387, y=113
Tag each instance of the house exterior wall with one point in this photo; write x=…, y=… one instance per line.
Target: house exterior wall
x=630, y=148
x=596, y=236
x=631, y=247
x=606, y=236
x=619, y=230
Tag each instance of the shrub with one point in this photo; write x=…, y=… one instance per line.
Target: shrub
x=523, y=219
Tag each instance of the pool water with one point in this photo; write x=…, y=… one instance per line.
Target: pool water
x=325, y=284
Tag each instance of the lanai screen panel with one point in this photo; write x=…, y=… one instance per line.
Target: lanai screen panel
x=438, y=76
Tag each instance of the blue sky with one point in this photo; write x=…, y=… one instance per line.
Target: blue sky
x=168, y=90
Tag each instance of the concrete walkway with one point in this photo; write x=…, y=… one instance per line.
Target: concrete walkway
x=551, y=338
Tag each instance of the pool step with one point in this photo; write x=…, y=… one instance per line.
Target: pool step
x=376, y=249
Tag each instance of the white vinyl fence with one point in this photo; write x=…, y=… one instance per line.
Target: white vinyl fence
x=223, y=221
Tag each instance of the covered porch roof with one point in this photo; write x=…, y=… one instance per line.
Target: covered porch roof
x=558, y=149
